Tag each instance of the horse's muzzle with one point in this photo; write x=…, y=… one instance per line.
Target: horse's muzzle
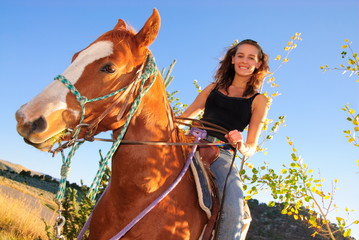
x=25, y=127
x=29, y=130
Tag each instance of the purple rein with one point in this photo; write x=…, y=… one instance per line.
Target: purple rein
x=198, y=134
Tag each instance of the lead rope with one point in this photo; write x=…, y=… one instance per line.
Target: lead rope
x=66, y=161
x=65, y=169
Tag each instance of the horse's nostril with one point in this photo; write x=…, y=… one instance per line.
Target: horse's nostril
x=38, y=125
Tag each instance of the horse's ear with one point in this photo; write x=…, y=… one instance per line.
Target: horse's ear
x=121, y=25
x=149, y=31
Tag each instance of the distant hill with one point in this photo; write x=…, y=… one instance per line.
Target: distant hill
x=32, y=178
x=267, y=224
x=12, y=167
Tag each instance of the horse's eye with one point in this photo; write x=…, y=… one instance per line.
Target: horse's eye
x=108, y=68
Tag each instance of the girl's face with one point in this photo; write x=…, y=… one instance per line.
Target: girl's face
x=246, y=60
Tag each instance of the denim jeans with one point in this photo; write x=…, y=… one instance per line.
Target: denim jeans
x=232, y=215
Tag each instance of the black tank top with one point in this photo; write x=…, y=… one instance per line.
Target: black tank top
x=228, y=112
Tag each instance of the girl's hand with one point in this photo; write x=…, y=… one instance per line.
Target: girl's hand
x=234, y=136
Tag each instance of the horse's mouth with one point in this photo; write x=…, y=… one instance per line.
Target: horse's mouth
x=47, y=145
x=44, y=146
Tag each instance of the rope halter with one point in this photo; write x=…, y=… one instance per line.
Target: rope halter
x=83, y=100
x=141, y=77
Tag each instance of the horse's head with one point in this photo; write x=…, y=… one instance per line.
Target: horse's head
x=108, y=64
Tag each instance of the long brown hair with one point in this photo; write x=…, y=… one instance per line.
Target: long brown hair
x=225, y=72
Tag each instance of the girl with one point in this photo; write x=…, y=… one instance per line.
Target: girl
x=233, y=102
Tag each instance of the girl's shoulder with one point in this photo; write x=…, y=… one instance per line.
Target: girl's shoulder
x=260, y=97
x=209, y=88
x=260, y=100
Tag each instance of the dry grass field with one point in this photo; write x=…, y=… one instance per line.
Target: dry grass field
x=22, y=208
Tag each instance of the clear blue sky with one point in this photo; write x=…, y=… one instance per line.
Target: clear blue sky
x=38, y=39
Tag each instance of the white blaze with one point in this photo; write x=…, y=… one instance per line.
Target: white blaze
x=94, y=52
x=53, y=97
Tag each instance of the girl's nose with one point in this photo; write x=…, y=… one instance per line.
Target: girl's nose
x=244, y=60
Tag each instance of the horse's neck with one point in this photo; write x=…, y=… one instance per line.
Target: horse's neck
x=154, y=119
x=149, y=166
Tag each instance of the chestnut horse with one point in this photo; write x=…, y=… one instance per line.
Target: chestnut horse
x=139, y=173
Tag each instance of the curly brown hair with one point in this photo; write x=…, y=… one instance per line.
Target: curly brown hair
x=225, y=72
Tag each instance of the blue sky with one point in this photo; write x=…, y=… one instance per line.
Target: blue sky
x=38, y=39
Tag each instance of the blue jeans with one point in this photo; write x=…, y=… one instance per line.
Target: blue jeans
x=232, y=215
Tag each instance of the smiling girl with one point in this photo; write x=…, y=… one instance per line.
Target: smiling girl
x=233, y=102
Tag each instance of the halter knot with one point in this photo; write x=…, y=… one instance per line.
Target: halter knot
x=82, y=99
x=65, y=170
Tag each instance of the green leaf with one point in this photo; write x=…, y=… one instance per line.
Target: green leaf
x=294, y=157
x=271, y=204
x=351, y=111
x=341, y=221
x=347, y=233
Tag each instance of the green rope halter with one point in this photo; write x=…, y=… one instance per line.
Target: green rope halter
x=150, y=70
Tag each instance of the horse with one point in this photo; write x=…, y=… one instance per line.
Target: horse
x=139, y=173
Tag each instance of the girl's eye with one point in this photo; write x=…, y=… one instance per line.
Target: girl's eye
x=108, y=68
